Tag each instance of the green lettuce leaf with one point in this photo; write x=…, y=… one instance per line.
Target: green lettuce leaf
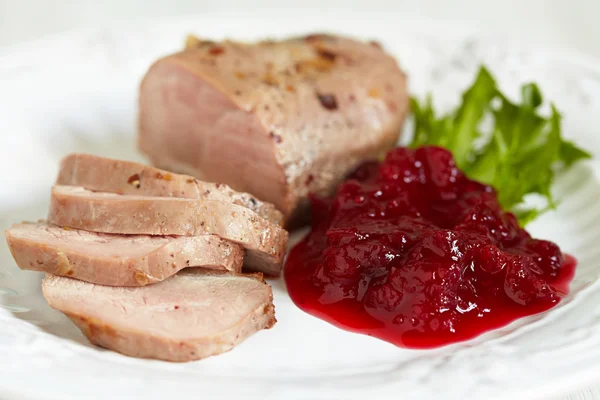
x=521, y=151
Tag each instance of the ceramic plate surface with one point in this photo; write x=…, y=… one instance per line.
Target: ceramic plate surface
x=77, y=92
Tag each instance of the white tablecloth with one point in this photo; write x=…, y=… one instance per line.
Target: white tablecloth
x=562, y=24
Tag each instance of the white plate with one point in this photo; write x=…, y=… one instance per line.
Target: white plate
x=78, y=93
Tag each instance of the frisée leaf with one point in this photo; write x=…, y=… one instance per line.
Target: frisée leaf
x=521, y=151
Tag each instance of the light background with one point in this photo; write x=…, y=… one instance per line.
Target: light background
x=569, y=25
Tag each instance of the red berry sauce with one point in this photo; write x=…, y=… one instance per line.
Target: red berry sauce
x=413, y=252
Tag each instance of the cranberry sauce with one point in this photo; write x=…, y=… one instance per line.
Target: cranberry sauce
x=413, y=252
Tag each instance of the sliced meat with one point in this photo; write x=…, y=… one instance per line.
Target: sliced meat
x=78, y=208
x=126, y=177
x=116, y=260
x=276, y=119
x=194, y=314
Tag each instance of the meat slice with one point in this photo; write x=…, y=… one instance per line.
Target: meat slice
x=78, y=208
x=126, y=177
x=116, y=260
x=194, y=314
x=276, y=119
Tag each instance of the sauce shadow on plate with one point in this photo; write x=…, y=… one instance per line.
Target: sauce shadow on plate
x=573, y=225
